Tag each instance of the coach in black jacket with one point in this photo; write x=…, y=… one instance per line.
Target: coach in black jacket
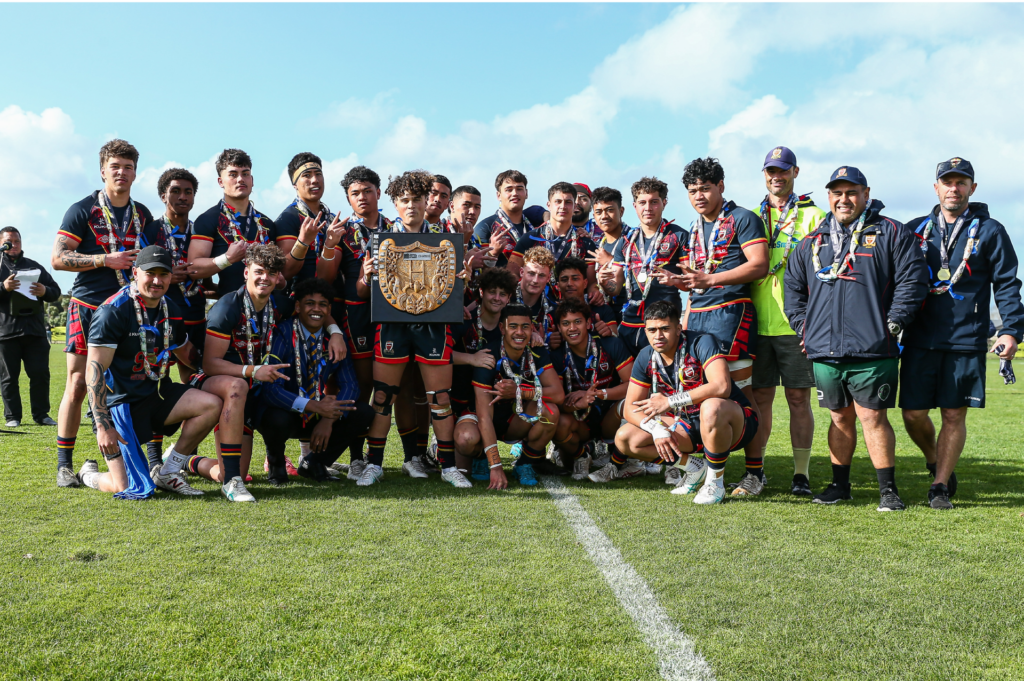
x=23, y=332
x=968, y=254
x=851, y=287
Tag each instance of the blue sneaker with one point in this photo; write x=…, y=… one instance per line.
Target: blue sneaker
x=526, y=475
x=517, y=450
x=481, y=471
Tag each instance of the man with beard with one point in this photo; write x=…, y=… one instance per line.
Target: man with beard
x=581, y=211
x=508, y=225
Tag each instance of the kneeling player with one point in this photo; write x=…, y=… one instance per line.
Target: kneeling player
x=681, y=400
x=595, y=372
x=520, y=375
x=315, y=401
x=131, y=340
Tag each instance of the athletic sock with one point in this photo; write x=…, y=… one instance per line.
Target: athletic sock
x=355, y=449
x=65, y=452
x=408, y=438
x=802, y=462
x=174, y=463
x=530, y=455
x=232, y=455
x=886, y=478
x=376, y=455
x=841, y=475
x=755, y=465
x=422, y=440
x=153, y=451
x=716, y=466
x=446, y=453
x=192, y=463
x=617, y=457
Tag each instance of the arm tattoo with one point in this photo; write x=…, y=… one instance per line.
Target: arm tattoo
x=72, y=260
x=97, y=390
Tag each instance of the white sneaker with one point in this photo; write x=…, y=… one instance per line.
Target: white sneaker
x=605, y=474
x=710, y=493
x=356, y=468
x=338, y=468
x=414, y=468
x=371, y=474
x=602, y=457
x=673, y=476
x=581, y=468
x=750, y=486
x=175, y=482
x=235, y=490
x=633, y=468
x=455, y=477
x=652, y=468
x=556, y=457
x=692, y=480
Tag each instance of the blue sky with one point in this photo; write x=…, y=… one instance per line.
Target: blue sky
x=596, y=93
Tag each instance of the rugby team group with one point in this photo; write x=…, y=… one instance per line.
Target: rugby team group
x=576, y=345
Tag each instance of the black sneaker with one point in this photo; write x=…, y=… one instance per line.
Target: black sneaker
x=316, y=471
x=801, y=486
x=832, y=494
x=951, y=485
x=938, y=498
x=890, y=500
x=67, y=478
x=547, y=467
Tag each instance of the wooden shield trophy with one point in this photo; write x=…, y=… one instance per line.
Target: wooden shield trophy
x=415, y=281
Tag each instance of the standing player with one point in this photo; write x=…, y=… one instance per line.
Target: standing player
x=438, y=201
x=608, y=212
x=302, y=225
x=131, y=339
x=515, y=400
x=788, y=218
x=852, y=286
x=968, y=255
x=558, y=235
x=727, y=251
x=595, y=371
x=581, y=211
x=655, y=246
x=685, y=403
x=99, y=239
x=508, y=225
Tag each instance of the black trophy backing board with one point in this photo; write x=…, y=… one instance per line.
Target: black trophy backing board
x=450, y=312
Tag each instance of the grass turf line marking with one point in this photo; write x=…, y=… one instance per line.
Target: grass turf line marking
x=678, y=659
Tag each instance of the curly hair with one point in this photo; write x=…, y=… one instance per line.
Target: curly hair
x=649, y=185
x=313, y=286
x=609, y=195
x=233, y=157
x=663, y=309
x=118, y=149
x=172, y=174
x=300, y=159
x=512, y=175
x=562, y=188
x=539, y=255
x=360, y=174
x=499, y=278
x=416, y=183
x=570, y=263
x=572, y=306
x=703, y=170
x=267, y=256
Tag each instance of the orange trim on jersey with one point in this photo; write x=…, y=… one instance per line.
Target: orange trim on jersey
x=285, y=237
x=217, y=334
x=482, y=386
x=202, y=238
x=193, y=322
x=69, y=235
x=632, y=326
x=760, y=240
x=716, y=307
x=356, y=302
x=640, y=383
x=625, y=362
x=712, y=359
x=84, y=304
x=433, y=362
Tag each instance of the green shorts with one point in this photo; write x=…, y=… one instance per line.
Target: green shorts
x=871, y=383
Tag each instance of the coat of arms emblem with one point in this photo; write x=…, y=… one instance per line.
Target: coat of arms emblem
x=416, y=275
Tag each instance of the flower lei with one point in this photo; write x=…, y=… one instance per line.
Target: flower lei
x=235, y=223
x=190, y=288
x=946, y=280
x=318, y=363
x=266, y=327
x=704, y=258
x=839, y=267
x=643, y=277
x=573, y=378
x=657, y=368
x=164, y=359
x=572, y=238
x=786, y=225
x=528, y=368
x=115, y=239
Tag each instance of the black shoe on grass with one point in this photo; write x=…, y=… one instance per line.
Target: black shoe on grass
x=890, y=501
x=833, y=494
x=547, y=467
x=938, y=498
x=801, y=486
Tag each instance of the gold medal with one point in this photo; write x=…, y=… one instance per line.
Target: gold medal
x=641, y=278
x=944, y=274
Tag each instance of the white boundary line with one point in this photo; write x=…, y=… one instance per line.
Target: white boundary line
x=678, y=659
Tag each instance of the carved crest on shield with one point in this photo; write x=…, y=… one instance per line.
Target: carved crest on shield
x=416, y=278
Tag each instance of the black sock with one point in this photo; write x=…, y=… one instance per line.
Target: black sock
x=841, y=475
x=530, y=455
x=446, y=453
x=232, y=455
x=408, y=438
x=356, y=448
x=377, y=445
x=422, y=440
x=931, y=467
x=65, y=452
x=153, y=451
x=886, y=478
x=617, y=457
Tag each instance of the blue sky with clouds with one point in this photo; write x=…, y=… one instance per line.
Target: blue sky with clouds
x=596, y=93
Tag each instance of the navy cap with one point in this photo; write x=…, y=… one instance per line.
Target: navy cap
x=960, y=166
x=152, y=257
x=779, y=157
x=847, y=174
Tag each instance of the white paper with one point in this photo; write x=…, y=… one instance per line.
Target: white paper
x=27, y=278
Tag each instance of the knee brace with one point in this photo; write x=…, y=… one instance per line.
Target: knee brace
x=389, y=392
x=438, y=411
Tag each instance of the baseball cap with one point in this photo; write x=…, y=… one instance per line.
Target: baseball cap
x=779, y=157
x=585, y=188
x=960, y=166
x=153, y=257
x=847, y=174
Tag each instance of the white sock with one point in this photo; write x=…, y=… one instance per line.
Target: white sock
x=303, y=450
x=89, y=479
x=173, y=463
x=718, y=477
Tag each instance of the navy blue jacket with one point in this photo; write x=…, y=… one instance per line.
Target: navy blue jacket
x=945, y=323
x=847, y=318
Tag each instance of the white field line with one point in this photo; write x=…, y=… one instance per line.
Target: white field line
x=678, y=660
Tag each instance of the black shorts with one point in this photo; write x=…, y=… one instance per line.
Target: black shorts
x=428, y=343
x=733, y=326
x=634, y=338
x=150, y=413
x=77, y=328
x=197, y=333
x=251, y=400
x=598, y=410
x=938, y=379
x=750, y=425
x=359, y=331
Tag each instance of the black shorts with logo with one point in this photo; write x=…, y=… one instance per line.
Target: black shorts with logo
x=359, y=330
x=428, y=343
x=939, y=379
x=150, y=413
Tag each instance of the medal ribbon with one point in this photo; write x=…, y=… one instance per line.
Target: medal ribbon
x=164, y=359
x=528, y=369
x=574, y=381
x=116, y=240
x=786, y=225
x=309, y=381
x=839, y=265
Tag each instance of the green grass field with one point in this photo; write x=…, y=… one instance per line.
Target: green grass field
x=416, y=580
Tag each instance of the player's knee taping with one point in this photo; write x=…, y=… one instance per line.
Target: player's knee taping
x=438, y=411
x=468, y=417
x=738, y=364
x=619, y=408
x=744, y=382
x=389, y=392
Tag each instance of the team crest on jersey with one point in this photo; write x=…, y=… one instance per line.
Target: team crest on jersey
x=389, y=347
x=777, y=153
x=689, y=372
x=604, y=366
x=665, y=248
x=841, y=172
x=869, y=240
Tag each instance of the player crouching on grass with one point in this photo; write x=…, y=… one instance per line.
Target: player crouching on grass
x=315, y=401
x=514, y=401
x=131, y=339
x=595, y=373
x=681, y=401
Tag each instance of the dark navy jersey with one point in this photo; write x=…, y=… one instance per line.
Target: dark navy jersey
x=740, y=229
x=288, y=224
x=466, y=337
x=227, y=320
x=176, y=240
x=486, y=227
x=628, y=252
x=575, y=243
x=115, y=325
x=613, y=356
x=84, y=225
x=486, y=378
x=215, y=227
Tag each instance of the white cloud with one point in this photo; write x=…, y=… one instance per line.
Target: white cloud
x=357, y=113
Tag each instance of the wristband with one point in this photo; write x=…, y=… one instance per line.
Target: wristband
x=323, y=255
x=300, y=241
x=222, y=262
x=678, y=400
x=333, y=329
x=495, y=460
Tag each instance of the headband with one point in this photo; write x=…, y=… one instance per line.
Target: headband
x=303, y=168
